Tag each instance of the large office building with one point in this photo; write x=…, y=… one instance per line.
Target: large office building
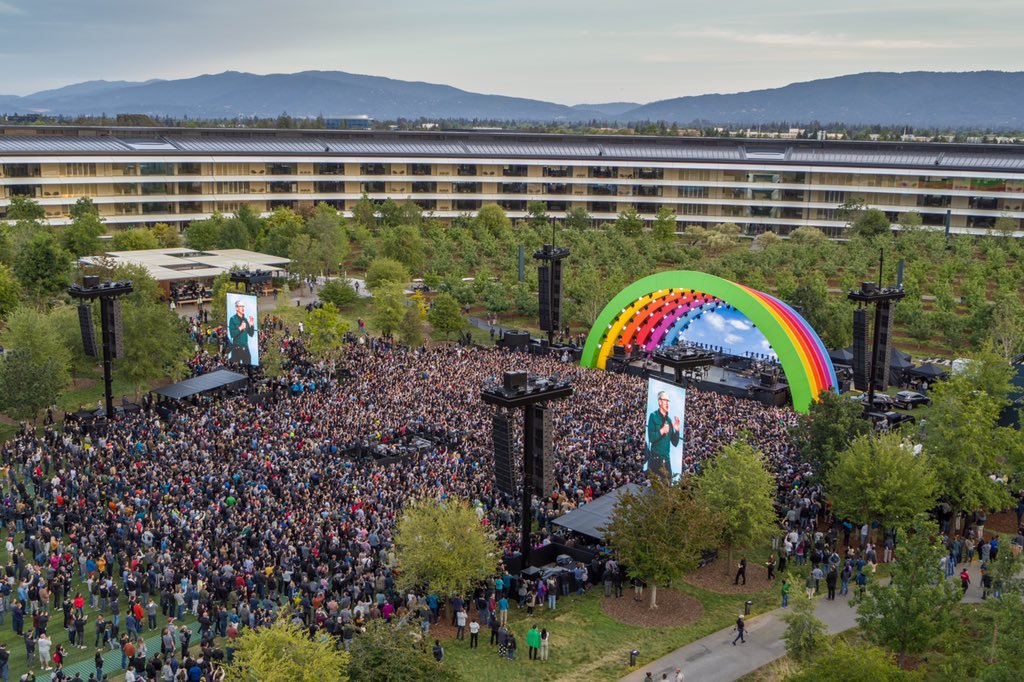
x=142, y=176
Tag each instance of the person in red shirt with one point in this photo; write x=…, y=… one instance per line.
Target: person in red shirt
x=965, y=579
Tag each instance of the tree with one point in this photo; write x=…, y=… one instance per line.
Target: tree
x=880, y=479
x=740, y=488
x=81, y=237
x=963, y=437
x=1007, y=647
x=578, y=219
x=10, y=291
x=326, y=329
x=156, y=344
x=537, y=215
x=871, y=223
x=410, y=331
x=445, y=316
x=36, y=366
x=491, y=222
x=138, y=239
x=807, y=235
x=339, y=292
x=441, y=545
x=203, y=235
x=842, y=662
x=386, y=271
x=284, y=653
x=1006, y=226
x=805, y=634
x=917, y=606
x=630, y=223
x=305, y=260
x=234, y=235
x=167, y=236
x=395, y=654
x=404, y=244
x=43, y=267
x=279, y=231
x=364, y=213
x=388, y=307
x=329, y=238
x=25, y=208
x=827, y=429
x=664, y=226
x=660, y=532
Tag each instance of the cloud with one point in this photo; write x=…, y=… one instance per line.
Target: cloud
x=716, y=322
x=731, y=339
x=741, y=325
x=814, y=39
x=8, y=8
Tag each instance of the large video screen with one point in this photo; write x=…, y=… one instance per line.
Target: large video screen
x=243, y=329
x=666, y=411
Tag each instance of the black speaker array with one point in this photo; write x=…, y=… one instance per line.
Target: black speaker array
x=88, y=331
x=881, y=372
x=501, y=432
x=860, y=349
x=549, y=296
x=111, y=310
x=543, y=473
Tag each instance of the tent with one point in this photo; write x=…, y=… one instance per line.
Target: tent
x=588, y=519
x=841, y=356
x=928, y=371
x=203, y=383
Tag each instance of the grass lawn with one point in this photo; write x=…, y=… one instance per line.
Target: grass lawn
x=588, y=645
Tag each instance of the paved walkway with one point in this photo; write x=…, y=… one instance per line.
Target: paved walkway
x=715, y=659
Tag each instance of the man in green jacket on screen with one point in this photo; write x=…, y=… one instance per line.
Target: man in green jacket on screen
x=662, y=435
x=240, y=328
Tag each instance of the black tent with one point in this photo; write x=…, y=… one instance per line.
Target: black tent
x=203, y=383
x=586, y=520
x=928, y=371
x=841, y=356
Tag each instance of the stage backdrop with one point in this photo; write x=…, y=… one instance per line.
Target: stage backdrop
x=664, y=426
x=243, y=329
x=653, y=312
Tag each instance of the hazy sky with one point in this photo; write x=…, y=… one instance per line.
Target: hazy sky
x=567, y=51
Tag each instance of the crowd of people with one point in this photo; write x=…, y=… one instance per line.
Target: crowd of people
x=230, y=511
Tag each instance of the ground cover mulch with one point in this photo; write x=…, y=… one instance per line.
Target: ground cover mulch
x=675, y=609
x=1003, y=522
x=714, y=578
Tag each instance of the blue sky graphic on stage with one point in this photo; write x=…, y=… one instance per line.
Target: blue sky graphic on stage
x=728, y=328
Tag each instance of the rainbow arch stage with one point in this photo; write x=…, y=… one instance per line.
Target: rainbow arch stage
x=656, y=310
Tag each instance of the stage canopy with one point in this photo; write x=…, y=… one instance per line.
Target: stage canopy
x=201, y=384
x=586, y=520
x=662, y=309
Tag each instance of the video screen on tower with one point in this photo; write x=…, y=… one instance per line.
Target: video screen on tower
x=663, y=435
x=243, y=329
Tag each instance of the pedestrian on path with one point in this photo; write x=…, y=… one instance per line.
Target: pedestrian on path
x=740, y=625
x=965, y=580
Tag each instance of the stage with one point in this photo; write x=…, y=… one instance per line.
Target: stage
x=749, y=383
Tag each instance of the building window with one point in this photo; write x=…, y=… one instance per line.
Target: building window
x=372, y=169
x=693, y=192
x=154, y=169
x=834, y=196
x=466, y=204
x=556, y=188
x=426, y=204
x=933, y=200
x=557, y=206
x=281, y=187
x=465, y=170
x=328, y=187
x=514, y=171
x=370, y=187
x=512, y=204
x=189, y=168
x=420, y=169
x=21, y=170
x=602, y=207
x=424, y=187
x=603, y=172
x=650, y=173
x=241, y=187
x=80, y=169
x=604, y=190
x=646, y=207
x=557, y=172
x=693, y=209
x=512, y=188
x=329, y=169
x=151, y=188
x=466, y=187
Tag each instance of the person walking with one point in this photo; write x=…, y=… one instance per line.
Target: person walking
x=830, y=581
x=965, y=579
x=740, y=626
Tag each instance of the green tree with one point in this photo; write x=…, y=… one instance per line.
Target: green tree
x=1006, y=226
x=305, y=260
x=963, y=436
x=391, y=213
x=404, y=244
x=10, y=291
x=338, y=292
x=446, y=316
x=156, y=344
x=537, y=215
x=918, y=604
x=842, y=662
x=659, y=533
x=827, y=429
x=491, y=221
x=43, y=267
x=805, y=634
x=664, y=226
x=880, y=479
x=578, y=219
x=386, y=270
x=203, y=235
x=364, y=213
x=330, y=242
x=630, y=223
x=279, y=231
x=871, y=223
x=167, y=236
x=807, y=235
x=326, y=329
x=410, y=332
x=443, y=546
x=739, y=486
x=234, y=235
x=36, y=366
x=386, y=653
x=284, y=653
x=81, y=237
x=137, y=239
x=25, y=208
x=1007, y=643
x=389, y=306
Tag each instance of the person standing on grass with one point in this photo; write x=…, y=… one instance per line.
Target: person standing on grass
x=43, y=649
x=741, y=571
x=785, y=592
x=533, y=642
x=474, y=634
x=545, y=637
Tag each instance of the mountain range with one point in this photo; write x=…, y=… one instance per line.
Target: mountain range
x=979, y=99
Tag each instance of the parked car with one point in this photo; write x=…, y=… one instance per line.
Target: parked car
x=908, y=400
x=885, y=421
x=881, y=401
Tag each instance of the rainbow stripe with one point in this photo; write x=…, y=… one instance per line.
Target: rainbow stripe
x=653, y=311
